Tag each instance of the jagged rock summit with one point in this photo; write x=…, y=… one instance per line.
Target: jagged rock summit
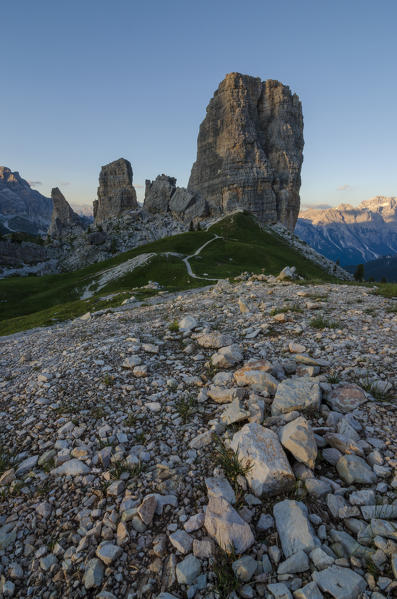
x=64, y=220
x=163, y=196
x=116, y=194
x=21, y=207
x=249, y=150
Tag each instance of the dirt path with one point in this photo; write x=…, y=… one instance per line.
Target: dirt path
x=196, y=253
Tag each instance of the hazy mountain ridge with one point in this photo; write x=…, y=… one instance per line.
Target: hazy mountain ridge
x=352, y=234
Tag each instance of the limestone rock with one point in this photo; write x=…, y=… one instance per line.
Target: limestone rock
x=249, y=150
x=270, y=471
x=341, y=583
x=158, y=193
x=225, y=525
x=258, y=375
x=293, y=526
x=116, y=193
x=354, y=469
x=297, y=436
x=162, y=196
x=296, y=394
x=64, y=221
x=346, y=397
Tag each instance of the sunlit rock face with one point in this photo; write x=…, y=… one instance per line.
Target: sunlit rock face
x=250, y=150
x=116, y=194
x=64, y=220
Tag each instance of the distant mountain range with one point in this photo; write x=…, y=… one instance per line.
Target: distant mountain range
x=350, y=234
x=25, y=209
x=21, y=207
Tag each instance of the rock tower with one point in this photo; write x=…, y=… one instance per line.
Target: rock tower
x=250, y=150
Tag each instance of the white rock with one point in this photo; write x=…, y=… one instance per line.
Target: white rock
x=341, y=583
x=220, y=487
x=259, y=447
x=225, y=525
x=108, y=552
x=294, y=528
x=71, y=468
x=296, y=394
x=298, y=437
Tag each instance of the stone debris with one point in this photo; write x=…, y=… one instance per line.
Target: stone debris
x=118, y=482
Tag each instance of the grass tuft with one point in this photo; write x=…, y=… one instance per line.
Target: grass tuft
x=322, y=323
x=227, y=458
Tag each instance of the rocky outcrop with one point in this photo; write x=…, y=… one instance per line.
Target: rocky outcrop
x=21, y=207
x=158, y=193
x=249, y=150
x=64, y=220
x=352, y=234
x=163, y=196
x=116, y=194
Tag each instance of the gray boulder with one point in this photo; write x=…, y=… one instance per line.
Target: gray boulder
x=294, y=528
x=270, y=472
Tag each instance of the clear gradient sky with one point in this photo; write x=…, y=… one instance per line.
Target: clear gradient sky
x=85, y=82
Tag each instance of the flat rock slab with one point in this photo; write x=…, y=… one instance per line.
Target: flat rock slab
x=218, y=486
x=298, y=437
x=353, y=469
x=227, y=527
x=346, y=398
x=270, y=470
x=341, y=583
x=73, y=467
x=257, y=374
x=227, y=357
x=293, y=526
x=296, y=394
x=214, y=340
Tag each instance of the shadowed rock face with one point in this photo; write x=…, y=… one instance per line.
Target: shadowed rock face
x=116, y=194
x=21, y=207
x=64, y=220
x=249, y=150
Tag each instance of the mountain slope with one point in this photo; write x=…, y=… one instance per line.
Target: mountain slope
x=21, y=207
x=385, y=267
x=241, y=246
x=350, y=234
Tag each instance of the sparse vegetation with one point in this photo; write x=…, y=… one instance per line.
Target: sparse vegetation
x=27, y=302
x=174, y=326
x=322, y=323
x=186, y=407
x=227, y=458
x=226, y=580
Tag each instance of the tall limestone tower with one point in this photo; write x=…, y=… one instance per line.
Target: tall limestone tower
x=250, y=150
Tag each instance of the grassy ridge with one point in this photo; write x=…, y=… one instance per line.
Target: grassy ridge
x=27, y=302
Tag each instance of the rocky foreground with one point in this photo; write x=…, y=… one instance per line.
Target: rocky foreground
x=138, y=444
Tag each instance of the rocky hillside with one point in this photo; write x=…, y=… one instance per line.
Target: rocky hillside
x=21, y=207
x=351, y=234
x=230, y=247
x=232, y=442
x=382, y=268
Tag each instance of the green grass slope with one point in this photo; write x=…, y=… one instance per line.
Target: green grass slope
x=27, y=302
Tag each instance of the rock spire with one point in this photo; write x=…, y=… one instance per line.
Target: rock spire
x=249, y=150
x=64, y=221
x=116, y=194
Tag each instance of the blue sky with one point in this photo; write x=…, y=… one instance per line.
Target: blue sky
x=85, y=82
